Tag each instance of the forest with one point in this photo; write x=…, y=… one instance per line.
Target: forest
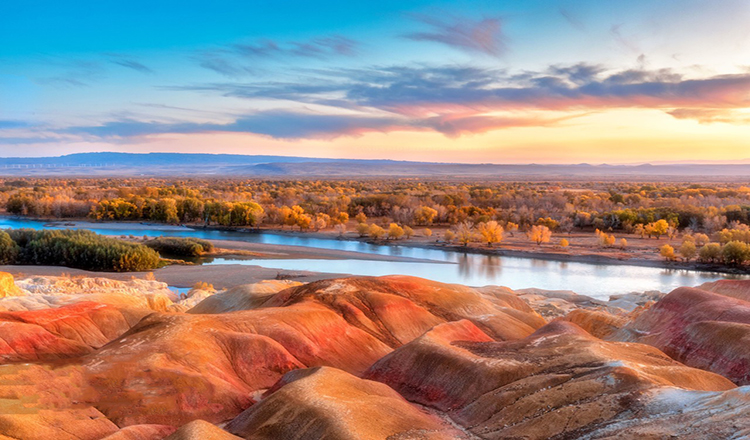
x=470, y=212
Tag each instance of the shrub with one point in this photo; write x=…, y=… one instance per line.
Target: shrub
x=564, y=243
x=79, y=249
x=180, y=246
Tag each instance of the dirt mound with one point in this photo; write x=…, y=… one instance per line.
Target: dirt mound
x=329, y=403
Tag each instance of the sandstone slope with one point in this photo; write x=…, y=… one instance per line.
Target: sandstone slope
x=560, y=382
x=326, y=403
x=699, y=328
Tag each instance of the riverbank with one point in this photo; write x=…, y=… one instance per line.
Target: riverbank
x=583, y=247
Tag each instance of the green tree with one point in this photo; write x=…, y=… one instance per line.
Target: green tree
x=688, y=250
x=735, y=252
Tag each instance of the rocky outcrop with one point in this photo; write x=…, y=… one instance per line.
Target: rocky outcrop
x=699, y=328
x=43, y=335
x=598, y=323
x=142, y=432
x=223, y=359
x=244, y=297
x=328, y=403
x=72, y=424
x=8, y=286
x=362, y=357
x=739, y=289
x=212, y=366
x=559, y=382
x=397, y=309
x=201, y=430
x=51, y=292
x=683, y=414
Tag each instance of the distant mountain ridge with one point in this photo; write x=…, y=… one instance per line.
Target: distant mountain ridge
x=237, y=165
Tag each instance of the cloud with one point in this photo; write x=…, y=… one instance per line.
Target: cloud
x=627, y=43
x=276, y=123
x=711, y=116
x=451, y=100
x=414, y=91
x=222, y=65
x=72, y=73
x=572, y=20
x=132, y=64
x=11, y=124
x=481, y=36
x=231, y=60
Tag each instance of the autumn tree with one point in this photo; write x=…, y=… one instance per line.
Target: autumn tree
x=657, y=228
x=667, y=252
x=408, y=232
x=395, y=231
x=376, y=231
x=735, y=252
x=710, y=252
x=363, y=229
x=539, y=234
x=687, y=250
x=464, y=233
x=491, y=232
x=424, y=215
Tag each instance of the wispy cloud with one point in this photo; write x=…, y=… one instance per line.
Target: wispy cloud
x=572, y=19
x=11, y=124
x=628, y=43
x=480, y=36
x=131, y=64
x=436, y=90
x=72, y=73
x=711, y=116
x=451, y=100
x=233, y=60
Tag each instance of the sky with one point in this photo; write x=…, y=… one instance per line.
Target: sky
x=453, y=81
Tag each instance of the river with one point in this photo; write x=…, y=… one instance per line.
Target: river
x=597, y=280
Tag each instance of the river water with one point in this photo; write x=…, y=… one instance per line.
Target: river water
x=597, y=280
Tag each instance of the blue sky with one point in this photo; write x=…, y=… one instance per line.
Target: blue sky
x=475, y=81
